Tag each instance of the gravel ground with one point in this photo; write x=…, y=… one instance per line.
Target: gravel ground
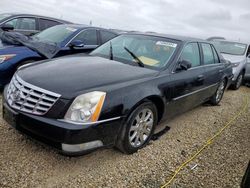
x=25, y=163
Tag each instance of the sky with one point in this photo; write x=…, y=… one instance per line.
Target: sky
x=196, y=18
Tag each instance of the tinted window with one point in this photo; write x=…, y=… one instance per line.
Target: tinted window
x=44, y=23
x=207, y=54
x=191, y=53
x=106, y=36
x=88, y=37
x=23, y=23
x=216, y=58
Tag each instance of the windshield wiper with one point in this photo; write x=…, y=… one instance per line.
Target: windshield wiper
x=111, y=52
x=140, y=63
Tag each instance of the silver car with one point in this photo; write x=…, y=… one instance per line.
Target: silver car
x=238, y=54
x=247, y=74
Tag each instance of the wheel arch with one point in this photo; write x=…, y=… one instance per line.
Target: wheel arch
x=156, y=100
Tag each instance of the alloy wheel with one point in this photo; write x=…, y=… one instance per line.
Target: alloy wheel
x=239, y=81
x=220, y=91
x=141, y=127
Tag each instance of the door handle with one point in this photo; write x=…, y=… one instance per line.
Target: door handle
x=200, y=78
x=220, y=71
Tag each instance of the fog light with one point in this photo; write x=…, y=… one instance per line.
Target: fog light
x=82, y=147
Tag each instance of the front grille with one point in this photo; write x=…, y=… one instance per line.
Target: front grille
x=28, y=98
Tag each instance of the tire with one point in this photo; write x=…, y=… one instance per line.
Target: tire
x=216, y=98
x=238, y=82
x=136, y=133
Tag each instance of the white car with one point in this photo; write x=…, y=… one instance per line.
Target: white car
x=238, y=54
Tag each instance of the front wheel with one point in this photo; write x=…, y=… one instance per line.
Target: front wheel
x=238, y=82
x=138, y=129
x=216, y=98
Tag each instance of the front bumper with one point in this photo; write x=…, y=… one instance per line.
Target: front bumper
x=70, y=139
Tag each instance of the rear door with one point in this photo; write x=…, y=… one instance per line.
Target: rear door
x=213, y=68
x=186, y=85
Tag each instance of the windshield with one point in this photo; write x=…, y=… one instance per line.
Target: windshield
x=55, y=34
x=3, y=16
x=153, y=52
x=233, y=48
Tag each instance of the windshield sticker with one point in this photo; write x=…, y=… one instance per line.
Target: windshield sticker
x=148, y=61
x=168, y=44
x=239, y=45
x=71, y=29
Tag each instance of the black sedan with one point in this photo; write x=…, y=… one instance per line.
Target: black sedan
x=117, y=95
x=28, y=24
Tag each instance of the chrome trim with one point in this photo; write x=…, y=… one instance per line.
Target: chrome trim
x=28, y=98
x=191, y=93
x=89, y=123
x=36, y=88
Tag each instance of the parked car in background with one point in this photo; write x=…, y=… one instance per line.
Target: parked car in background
x=117, y=95
x=28, y=24
x=237, y=54
x=247, y=74
x=54, y=42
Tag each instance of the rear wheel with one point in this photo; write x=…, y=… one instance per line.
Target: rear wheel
x=238, y=82
x=216, y=98
x=138, y=129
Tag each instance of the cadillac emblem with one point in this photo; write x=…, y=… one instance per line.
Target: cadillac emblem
x=16, y=95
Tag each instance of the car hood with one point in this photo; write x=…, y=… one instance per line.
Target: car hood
x=234, y=58
x=12, y=49
x=71, y=76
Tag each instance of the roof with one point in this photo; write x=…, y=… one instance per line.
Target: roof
x=175, y=37
x=33, y=15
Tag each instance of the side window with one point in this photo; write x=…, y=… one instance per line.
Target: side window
x=207, y=54
x=23, y=23
x=88, y=37
x=106, y=36
x=191, y=53
x=216, y=57
x=44, y=23
x=12, y=23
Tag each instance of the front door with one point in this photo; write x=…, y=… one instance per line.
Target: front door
x=186, y=85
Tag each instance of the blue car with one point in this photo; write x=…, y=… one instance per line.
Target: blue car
x=54, y=42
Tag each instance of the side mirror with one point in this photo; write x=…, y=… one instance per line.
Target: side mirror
x=184, y=65
x=76, y=44
x=7, y=27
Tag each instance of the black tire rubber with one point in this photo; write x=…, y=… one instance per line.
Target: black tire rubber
x=213, y=100
x=234, y=86
x=123, y=138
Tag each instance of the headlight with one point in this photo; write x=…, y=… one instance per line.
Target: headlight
x=86, y=107
x=235, y=64
x=6, y=57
